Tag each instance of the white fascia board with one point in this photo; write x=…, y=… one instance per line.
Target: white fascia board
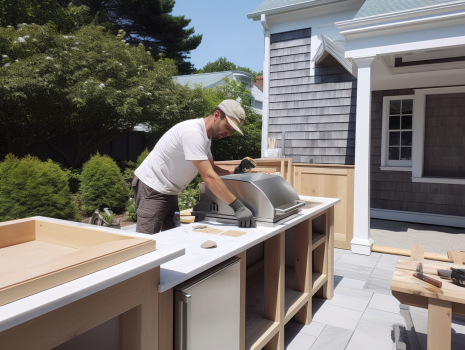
x=335, y=49
x=309, y=9
x=432, y=38
x=408, y=20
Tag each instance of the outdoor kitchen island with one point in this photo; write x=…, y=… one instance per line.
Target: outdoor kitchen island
x=272, y=291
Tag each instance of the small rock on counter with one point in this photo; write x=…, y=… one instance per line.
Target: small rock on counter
x=208, y=244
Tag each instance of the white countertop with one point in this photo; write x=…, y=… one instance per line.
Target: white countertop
x=197, y=259
x=38, y=304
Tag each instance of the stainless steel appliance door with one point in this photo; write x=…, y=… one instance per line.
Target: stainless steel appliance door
x=207, y=310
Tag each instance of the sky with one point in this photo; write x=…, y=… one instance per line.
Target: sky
x=227, y=32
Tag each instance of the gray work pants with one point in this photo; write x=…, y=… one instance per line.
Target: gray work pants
x=154, y=210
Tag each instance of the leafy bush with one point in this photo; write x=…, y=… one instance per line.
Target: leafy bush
x=102, y=185
x=188, y=198
x=131, y=209
x=142, y=157
x=30, y=187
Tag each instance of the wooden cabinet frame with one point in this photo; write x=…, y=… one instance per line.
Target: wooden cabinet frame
x=134, y=300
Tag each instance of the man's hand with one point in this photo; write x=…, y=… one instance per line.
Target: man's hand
x=243, y=214
x=247, y=164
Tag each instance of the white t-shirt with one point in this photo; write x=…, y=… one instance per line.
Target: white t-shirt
x=167, y=169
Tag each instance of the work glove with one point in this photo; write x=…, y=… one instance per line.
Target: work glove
x=247, y=164
x=243, y=214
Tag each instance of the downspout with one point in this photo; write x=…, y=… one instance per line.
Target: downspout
x=266, y=84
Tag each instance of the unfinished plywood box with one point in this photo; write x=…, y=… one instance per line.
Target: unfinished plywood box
x=267, y=165
x=36, y=255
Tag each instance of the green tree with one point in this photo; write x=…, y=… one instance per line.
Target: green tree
x=149, y=22
x=236, y=146
x=30, y=187
x=67, y=18
x=90, y=87
x=222, y=64
x=102, y=185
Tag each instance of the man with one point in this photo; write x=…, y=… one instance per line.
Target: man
x=183, y=151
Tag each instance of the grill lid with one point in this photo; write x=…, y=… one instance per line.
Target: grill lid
x=269, y=197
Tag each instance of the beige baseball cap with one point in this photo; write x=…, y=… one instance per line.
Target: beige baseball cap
x=234, y=113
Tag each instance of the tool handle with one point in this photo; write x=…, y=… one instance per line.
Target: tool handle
x=432, y=281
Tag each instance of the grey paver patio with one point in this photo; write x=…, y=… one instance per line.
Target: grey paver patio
x=360, y=315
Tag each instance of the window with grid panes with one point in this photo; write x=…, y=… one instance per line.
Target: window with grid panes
x=400, y=133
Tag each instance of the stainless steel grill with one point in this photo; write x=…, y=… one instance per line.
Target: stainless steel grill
x=270, y=198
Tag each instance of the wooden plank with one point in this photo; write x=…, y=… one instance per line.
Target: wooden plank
x=317, y=240
x=57, y=326
x=33, y=251
x=149, y=312
x=130, y=329
x=306, y=165
x=323, y=171
x=254, y=268
x=406, y=252
x=60, y=270
x=439, y=324
x=328, y=289
x=456, y=256
x=17, y=232
x=166, y=320
x=411, y=299
x=417, y=251
x=243, y=278
x=303, y=267
x=403, y=281
x=74, y=237
x=318, y=280
x=274, y=269
x=277, y=342
x=263, y=332
x=349, y=209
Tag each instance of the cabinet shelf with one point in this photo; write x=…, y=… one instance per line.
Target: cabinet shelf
x=318, y=279
x=261, y=333
x=317, y=240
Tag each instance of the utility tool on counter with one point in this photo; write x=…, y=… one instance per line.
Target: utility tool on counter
x=419, y=274
x=456, y=275
x=247, y=164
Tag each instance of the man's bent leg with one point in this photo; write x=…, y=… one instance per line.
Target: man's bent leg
x=151, y=208
x=168, y=223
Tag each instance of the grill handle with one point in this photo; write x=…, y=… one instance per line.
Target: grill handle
x=279, y=211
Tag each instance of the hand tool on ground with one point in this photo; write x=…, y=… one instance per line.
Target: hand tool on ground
x=424, y=278
x=247, y=164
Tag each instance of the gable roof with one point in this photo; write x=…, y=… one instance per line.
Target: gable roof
x=207, y=80
x=381, y=7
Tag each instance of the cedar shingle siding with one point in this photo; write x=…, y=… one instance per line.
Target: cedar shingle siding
x=395, y=190
x=317, y=112
x=444, y=135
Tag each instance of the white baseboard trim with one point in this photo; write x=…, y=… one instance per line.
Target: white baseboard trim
x=421, y=218
x=361, y=246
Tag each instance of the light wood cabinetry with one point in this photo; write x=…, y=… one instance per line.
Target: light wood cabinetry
x=277, y=293
x=333, y=181
x=268, y=165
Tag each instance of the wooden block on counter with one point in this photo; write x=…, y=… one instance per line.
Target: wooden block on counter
x=417, y=252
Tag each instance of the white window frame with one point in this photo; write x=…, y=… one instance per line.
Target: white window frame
x=418, y=144
x=399, y=165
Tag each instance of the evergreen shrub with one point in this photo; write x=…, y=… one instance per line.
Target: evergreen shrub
x=31, y=187
x=102, y=185
x=142, y=157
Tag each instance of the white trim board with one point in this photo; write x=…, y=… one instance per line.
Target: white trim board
x=440, y=180
x=421, y=218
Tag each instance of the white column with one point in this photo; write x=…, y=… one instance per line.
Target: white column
x=266, y=85
x=362, y=242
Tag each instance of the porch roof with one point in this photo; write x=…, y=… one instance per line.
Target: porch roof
x=381, y=7
x=206, y=79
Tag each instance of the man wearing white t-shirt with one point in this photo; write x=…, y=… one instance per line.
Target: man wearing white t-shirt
x=179, y=155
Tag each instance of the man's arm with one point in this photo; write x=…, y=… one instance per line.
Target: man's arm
x=213, y=180
x=222, y=171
